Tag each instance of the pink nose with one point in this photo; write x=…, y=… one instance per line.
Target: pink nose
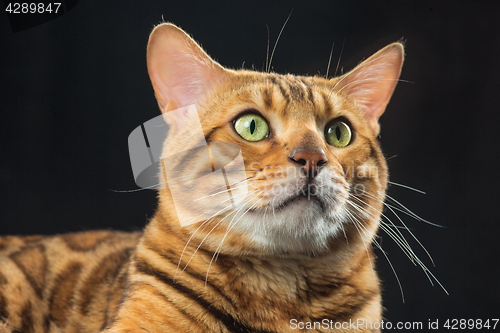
x=310, y=161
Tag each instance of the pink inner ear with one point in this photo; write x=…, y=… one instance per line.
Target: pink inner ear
x=372, y=82
x=181, y=72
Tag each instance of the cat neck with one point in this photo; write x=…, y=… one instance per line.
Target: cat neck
x=268, y=289
x=340, y=261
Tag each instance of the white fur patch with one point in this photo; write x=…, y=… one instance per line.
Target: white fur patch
x=305, y=223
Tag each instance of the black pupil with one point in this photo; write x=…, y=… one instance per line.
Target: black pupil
x=252, y=126
x=337, y=132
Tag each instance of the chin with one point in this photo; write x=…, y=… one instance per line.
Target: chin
x=302, y=225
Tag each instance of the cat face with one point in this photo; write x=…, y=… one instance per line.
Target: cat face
x=314, y=175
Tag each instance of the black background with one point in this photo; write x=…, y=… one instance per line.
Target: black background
x=72, y=90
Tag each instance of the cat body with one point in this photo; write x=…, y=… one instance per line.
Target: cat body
x=65, y=283
x=274, y=261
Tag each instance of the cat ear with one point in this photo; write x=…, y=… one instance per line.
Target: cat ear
x=372, y=82
x=179, y=69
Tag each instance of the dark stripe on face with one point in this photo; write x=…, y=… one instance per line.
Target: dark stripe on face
x=178, y=164
x=268, y=99
x=295, y=90
x=3, y=279
x=62, y=295
x=209, y=134
x=280, y=87
x=104, y=272
x=232, y=324
x=310, y=96
x=326, y=101
x=374, y=154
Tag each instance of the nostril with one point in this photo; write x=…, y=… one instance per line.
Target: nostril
x=310, y=161
x=299, y=161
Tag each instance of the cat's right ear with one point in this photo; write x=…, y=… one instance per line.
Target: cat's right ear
x=180, y=71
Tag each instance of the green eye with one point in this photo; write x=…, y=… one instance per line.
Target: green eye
x=251, y=127
x=338, y=134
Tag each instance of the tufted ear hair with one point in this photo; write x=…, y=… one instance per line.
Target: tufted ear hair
x=372, y=82
x=180, y=71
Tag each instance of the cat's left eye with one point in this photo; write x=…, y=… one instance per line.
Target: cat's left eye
x=251, y=127
x=338, y=134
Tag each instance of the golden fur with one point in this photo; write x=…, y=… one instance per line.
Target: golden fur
x=285, y=258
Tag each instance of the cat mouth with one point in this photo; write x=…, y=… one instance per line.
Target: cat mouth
x=302, y=196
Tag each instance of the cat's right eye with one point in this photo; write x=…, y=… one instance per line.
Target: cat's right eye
x=251, y=127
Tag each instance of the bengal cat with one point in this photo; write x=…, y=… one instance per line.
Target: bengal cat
x=274, y=261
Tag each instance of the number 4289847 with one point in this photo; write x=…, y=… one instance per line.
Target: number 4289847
x=462, y=324
x=32, y=8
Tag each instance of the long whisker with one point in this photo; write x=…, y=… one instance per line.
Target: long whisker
x=233, y=184
x=393, y=270
x=206, y=221
x=185, y=246
x=340, y=57
x=385, y=255
x=356, y=224
x=397, y=237
x=329, y=61
x=206, y=236
x=267, y=51
x=231, y=188
x=234, y=196
x=227, y=232
x=277, y=40
x=405, y=186
x=417, y=260
x=412, y=213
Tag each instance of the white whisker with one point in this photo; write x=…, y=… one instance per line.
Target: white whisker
x=397, y=236
x=276, y=44
x=405, y=186
x=230, y=227
x=329, y=61
x=206, y=236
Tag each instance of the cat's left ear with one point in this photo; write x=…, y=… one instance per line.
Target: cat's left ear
x=372, y=82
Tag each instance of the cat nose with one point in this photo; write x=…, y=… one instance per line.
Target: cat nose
x=311, y=161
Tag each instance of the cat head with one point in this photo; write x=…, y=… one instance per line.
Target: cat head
x=312, y=175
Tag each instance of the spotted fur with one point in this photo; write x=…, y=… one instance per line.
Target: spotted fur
x=287, y=257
